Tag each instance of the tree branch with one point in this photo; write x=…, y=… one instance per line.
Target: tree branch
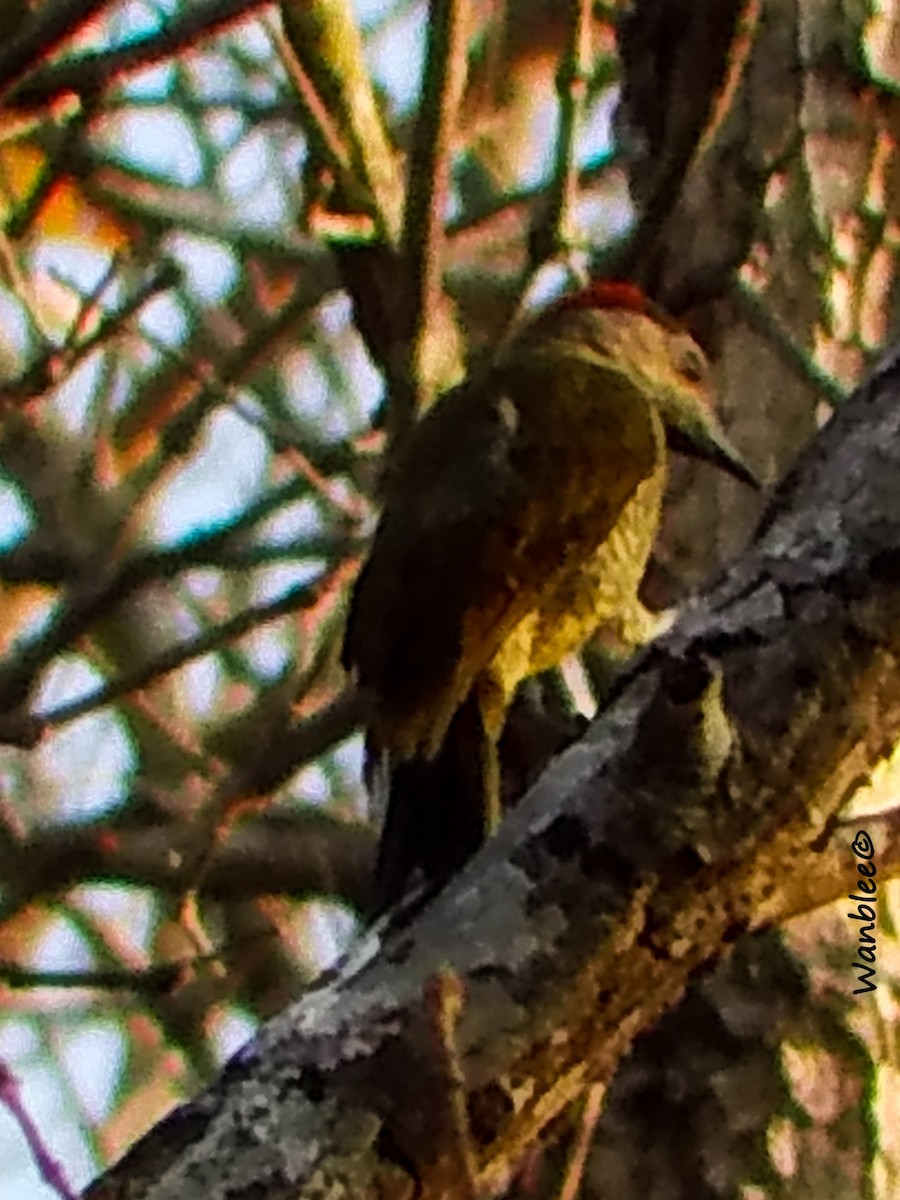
x=428, y=182
x=96, y=69
x=304, y=853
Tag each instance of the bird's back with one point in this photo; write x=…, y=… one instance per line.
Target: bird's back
x=487, y=562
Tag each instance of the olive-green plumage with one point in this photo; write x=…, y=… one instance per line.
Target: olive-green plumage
x=517, y=523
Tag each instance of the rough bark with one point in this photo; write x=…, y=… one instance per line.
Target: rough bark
x=696, y=809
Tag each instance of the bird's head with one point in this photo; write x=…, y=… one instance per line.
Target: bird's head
x=616, y=325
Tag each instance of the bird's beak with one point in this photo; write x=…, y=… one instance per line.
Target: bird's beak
x=715, y=448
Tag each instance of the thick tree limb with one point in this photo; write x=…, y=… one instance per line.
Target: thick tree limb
x=690, y=813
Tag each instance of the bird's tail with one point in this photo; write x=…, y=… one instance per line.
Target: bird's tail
x=437, y=811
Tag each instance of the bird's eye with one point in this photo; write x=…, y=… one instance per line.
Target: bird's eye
x=693, y=366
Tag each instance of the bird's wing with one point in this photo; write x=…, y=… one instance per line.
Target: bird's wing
x=494, y=501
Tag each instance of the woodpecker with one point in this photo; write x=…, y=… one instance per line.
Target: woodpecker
x=518, y=522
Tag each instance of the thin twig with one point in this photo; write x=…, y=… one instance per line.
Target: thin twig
x=763, y=321
x=50, y=1170
x=210, y=640
x=318, y=123
x=161, y=978
x=553, y=235
x=33, y=564
x=226, y=807
x=88, y=600
x=427, y=184
x=46, y=372
x=571, y=87
x=280, y=435
x=444, y=998
x=309, y=739
x=590, y=1115
x=327, y=42
x=495, y=206
x=89, y=72
x=167, y=206
x=296, y=851
x=192, y=388
x=43, y=30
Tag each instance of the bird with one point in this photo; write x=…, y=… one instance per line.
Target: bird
x=517, y=522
